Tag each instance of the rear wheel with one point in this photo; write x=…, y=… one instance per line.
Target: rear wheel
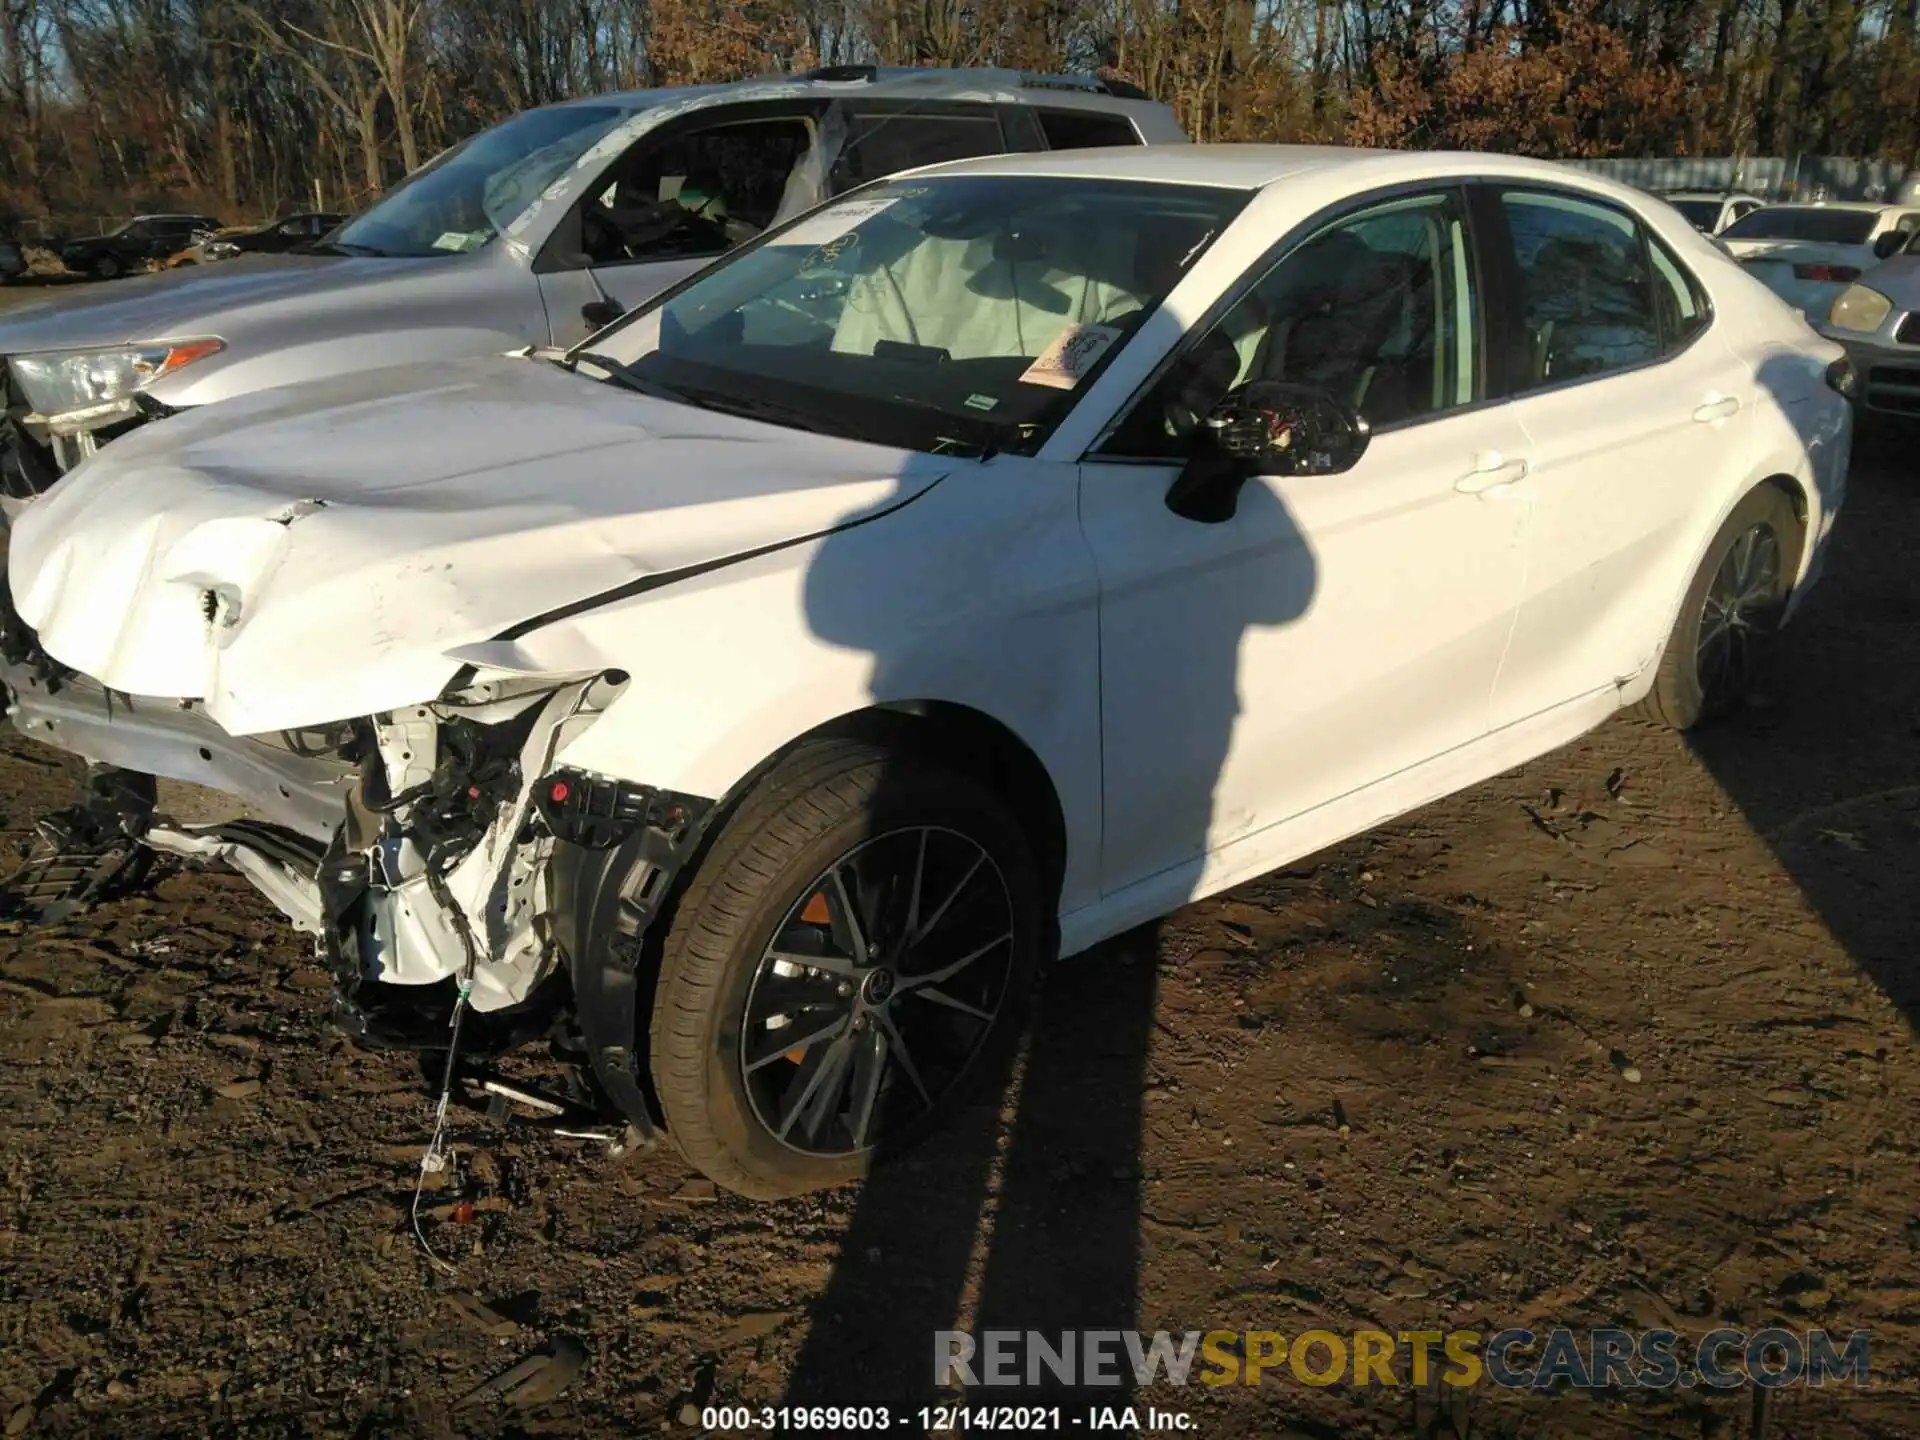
x=1727, y=623
x=852, y=955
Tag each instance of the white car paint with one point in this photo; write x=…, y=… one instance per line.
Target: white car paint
x=1482, y=586
x=1719, y=208
x=1810, y=274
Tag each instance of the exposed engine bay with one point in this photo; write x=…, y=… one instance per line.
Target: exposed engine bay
x=438, y=854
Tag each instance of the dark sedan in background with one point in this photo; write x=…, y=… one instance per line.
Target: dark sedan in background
x=143, y=238
x=289, y=232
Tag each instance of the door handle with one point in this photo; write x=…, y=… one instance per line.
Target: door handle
x=1491, y=471
x=1717, y=409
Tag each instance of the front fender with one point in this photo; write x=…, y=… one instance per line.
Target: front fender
x=979, y=594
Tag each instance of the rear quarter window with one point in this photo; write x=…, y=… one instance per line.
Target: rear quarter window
x=1085, y=129
x=1826, y=227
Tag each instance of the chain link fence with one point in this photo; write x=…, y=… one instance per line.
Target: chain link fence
x=1771, y=177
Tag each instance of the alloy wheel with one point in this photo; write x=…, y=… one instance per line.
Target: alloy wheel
x=1737, y=615
x=878, y=992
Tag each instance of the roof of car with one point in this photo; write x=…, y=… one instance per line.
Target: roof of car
x=880, y=80
x=1249, y=167
x=1706, y=195
x=1871, y=207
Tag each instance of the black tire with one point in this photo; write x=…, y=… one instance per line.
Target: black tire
x=834, y=804
x=108, y=267
x=1691, y=688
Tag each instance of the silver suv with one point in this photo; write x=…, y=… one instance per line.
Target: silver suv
x=536, y=232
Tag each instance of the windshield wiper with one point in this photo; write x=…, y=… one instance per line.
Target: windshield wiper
x=752, y=407
x=626, y=375
x=342, y=247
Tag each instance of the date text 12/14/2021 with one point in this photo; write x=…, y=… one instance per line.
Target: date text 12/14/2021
x=935, y=1419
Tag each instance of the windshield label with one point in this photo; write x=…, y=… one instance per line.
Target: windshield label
x=1074, y=351
x=461, y=240
x=830, y=225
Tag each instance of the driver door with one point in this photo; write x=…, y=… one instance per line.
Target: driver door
x=1339, y=628
x=679, y=199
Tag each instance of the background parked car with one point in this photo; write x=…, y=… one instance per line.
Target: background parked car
x=1808, y=254
x=1878, y=319
x=289, y=232
x=13, y=260
x=143, y=238
x=536, y=232
x=1711, y=211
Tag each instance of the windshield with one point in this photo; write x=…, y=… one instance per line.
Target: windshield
x=955, y=314
x=468, y=195
x=1804, y=222
x=1701, y=214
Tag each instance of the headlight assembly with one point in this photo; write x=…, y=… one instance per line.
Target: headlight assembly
x=1859, y=308
x=83, y=389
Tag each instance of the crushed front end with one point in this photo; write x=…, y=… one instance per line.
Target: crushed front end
x=443, y=855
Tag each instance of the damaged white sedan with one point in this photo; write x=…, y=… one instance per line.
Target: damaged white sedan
x=983, y=564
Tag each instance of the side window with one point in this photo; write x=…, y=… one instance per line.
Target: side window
x=1085, y=129
x=882, y=142
x=1586, y=296
x=698, y=192
x=139, y=230
x=1681, y=303
x=1380, y=309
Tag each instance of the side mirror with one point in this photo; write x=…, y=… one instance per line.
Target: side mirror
x=1270, y=427
x=1889, y=244
x=601, y=313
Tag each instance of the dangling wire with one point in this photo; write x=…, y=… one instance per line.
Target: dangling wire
x=435, y=1159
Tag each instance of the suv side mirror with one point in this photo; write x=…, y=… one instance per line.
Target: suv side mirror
x=1270, y=427
x=1890, y=243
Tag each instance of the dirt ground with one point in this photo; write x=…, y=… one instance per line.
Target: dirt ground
x=1621, y=1038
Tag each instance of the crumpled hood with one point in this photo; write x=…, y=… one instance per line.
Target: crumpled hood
x=303, y=555
x=176, y=303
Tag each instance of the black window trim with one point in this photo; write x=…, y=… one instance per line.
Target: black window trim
x=1460, y=187
x=1509, y=283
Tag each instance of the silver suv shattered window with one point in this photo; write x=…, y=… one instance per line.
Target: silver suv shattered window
x=466, y=196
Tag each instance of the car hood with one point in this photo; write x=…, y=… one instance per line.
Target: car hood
x=299, y=556
x=177, y=303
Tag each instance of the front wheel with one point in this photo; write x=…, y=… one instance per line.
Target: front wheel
x=107, y=267
x=852, y=955
x=1731, y=613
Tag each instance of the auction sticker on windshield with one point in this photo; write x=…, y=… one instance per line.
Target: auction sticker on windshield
x=832, y=224
x=1074, y=351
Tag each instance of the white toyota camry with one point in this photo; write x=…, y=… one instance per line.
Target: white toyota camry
x=981, y=565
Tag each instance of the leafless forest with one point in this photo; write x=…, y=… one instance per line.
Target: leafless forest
x=241, y=106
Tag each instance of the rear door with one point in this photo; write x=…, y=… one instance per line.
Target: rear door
x=1634, y=410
